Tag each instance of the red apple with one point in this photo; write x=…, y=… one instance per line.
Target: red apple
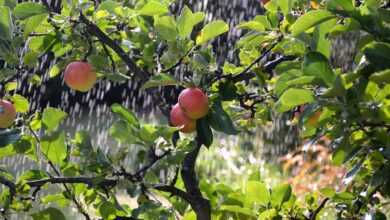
x=7, y=114
x=194, y=103
x=179, y=119
x=80, y=76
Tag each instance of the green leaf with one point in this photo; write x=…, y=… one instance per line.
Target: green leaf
x=269, y=214
x=220, y=120
x=257, y=192
x=328, y=192
x=28, y=9
x=52, y=117
x=316, y=64
x=6, y=25
x=285, y=6
x=263, y=20
x=33, y=22
x=54, y=71
x=382, y=77
x=153, y=8
x=337, y=5
x=54, y=147
x=49, y=214
x=161, y=79
x=321, y=42
x=31, y=59
x=125, y=114
x=8, y=137
x=292, y=98
x=343, y=197
x=11, y=86
x=303, y=80
x=252, y=25
x=21, y=104
x=148, y=133
x=338, y=89
x=280, y=194
x=282, y=81
x=58, y=198
x=211, y=30
x=378, y=53
x=32, y=175
x=187, y=21
x=291, y=47
x=166, y=28
x=107, y=210
x=110, y=6
x=122, y=132
x=349, y=24
x=310, y=19
x=237, y=209
x=205, y=135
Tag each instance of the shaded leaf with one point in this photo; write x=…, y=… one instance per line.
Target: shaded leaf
x=48, y=214
x=205, y=135
x=316, y=64
x=8, y=137
x=220, y=120
x=28, y=9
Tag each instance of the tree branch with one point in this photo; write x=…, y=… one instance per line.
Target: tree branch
x=179, y=62
x=90, y=181
x=200, y=205
x=174, y=191
x=11, y=186
x=314, y=214
x=94, y=30
x=245, y=74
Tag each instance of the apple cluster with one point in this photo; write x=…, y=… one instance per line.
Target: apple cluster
x=192, y=104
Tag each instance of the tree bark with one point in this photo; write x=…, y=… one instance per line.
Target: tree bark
x=199, y=204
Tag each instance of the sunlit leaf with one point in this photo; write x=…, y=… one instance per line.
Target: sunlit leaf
x=52, y=117
x=211, y=30
x=125, y=114
x=309, y=20
x=54, y=147
x=292, y=98
x=153, y=8
x=161, y=79
x=187, y=21
x=21, y=103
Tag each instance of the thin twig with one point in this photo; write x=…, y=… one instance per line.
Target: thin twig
x=180, y=61
x=314, y=214
x=94, y=30
x=245, y=74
